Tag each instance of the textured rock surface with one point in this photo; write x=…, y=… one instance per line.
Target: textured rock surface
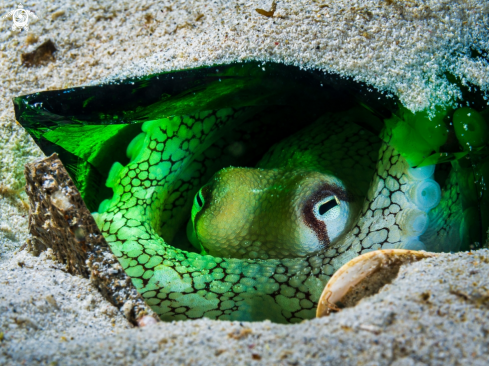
x=59, y=220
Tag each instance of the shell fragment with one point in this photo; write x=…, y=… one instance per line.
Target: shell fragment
x=364, y=276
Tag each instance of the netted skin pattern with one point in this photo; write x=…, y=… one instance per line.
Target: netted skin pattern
x=178, y=284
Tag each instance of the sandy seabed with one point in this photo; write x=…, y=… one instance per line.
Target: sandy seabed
x=434, y=313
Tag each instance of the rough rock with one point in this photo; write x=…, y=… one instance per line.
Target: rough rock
x=59, y=220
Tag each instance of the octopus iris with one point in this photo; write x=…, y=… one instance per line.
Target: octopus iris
x=241, y=206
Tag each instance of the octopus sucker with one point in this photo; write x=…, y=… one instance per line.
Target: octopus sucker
x=236, y=192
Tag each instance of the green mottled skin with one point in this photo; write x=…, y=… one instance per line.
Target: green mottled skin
x=174, y=156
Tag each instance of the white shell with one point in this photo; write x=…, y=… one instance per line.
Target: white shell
x=361, y=270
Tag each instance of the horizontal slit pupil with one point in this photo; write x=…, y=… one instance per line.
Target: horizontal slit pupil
x=325, y=207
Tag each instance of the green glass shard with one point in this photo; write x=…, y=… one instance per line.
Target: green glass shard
x=139, y=150
x=86, y=125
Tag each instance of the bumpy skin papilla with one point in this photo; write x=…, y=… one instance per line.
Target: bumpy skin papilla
x=170, y=154
x=270, y=213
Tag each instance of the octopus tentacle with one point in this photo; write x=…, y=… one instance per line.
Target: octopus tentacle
x=393, y=214
x=179, y=284
x=444, y=232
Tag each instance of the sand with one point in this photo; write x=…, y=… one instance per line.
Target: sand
x=436, y=312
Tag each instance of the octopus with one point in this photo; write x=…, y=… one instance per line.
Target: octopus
x=233, y=213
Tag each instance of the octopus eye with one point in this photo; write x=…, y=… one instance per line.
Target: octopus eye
x=199, y=199
x=198, y=205
x=329, y=208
